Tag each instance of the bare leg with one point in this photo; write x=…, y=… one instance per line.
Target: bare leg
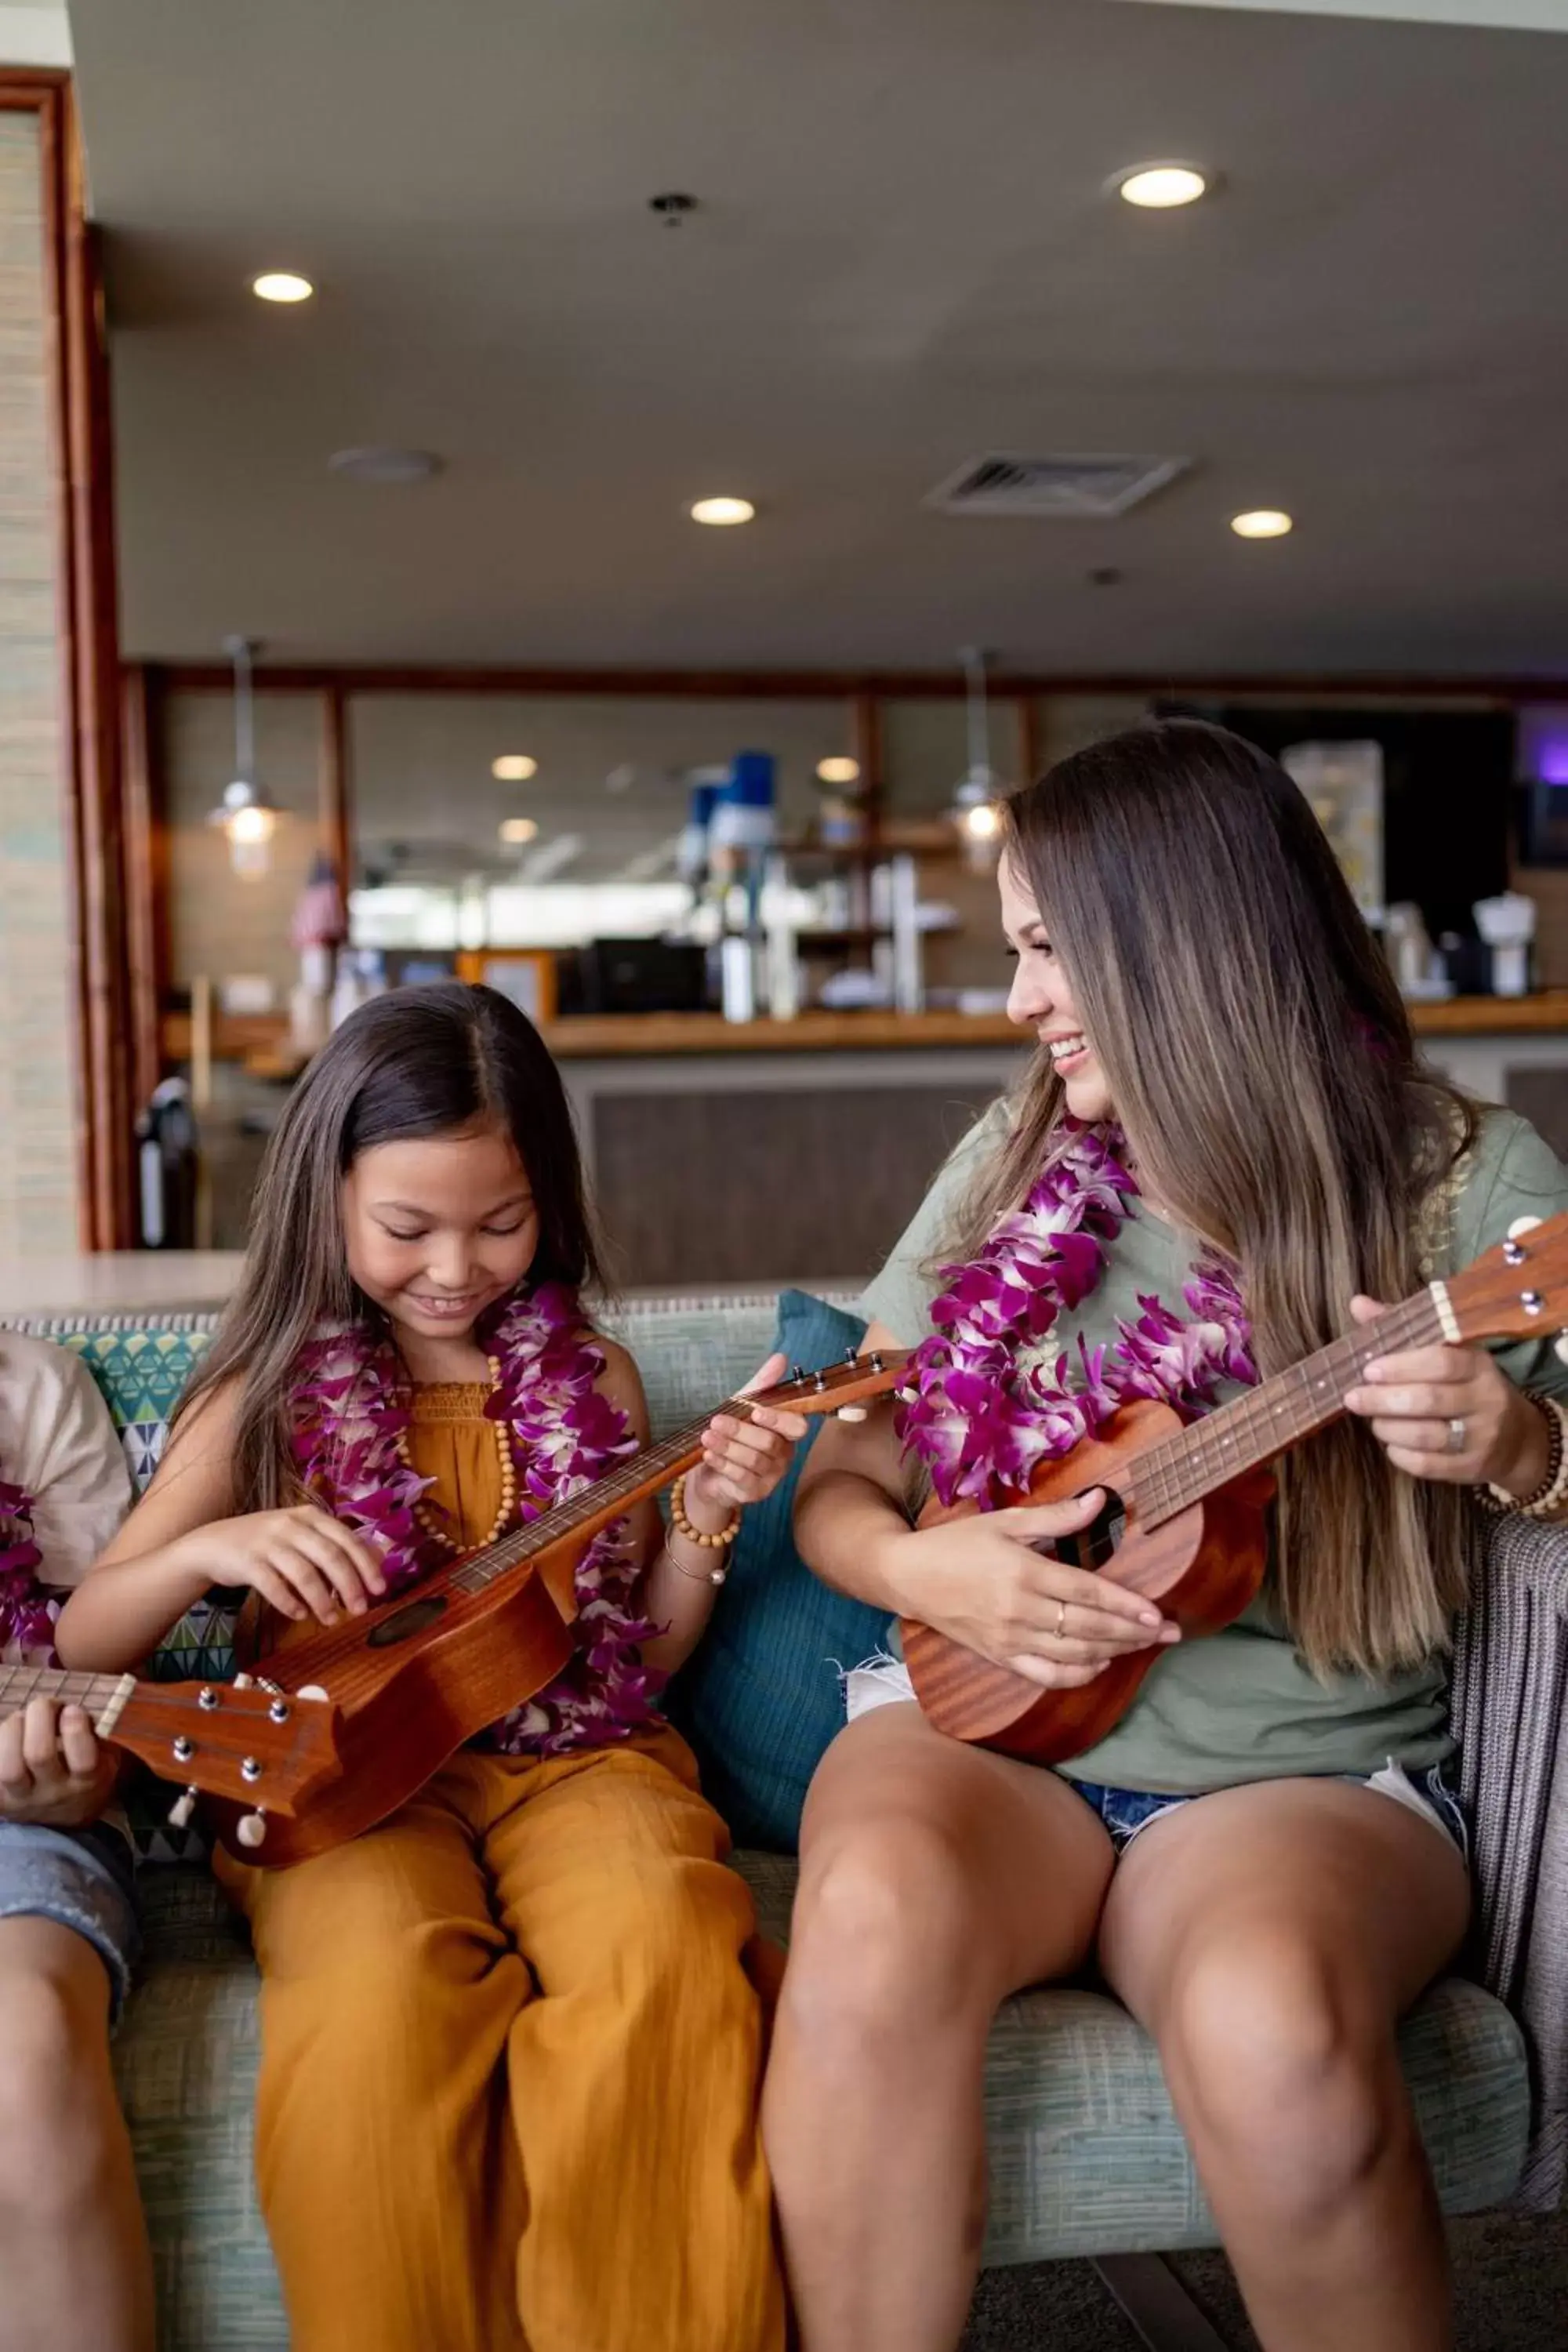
x=1269, y=1938
x=73, y=2246
x=935, y=1879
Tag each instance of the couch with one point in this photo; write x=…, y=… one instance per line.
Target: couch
x=1086, y=2159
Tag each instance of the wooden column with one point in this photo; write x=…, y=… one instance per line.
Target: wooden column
x=867, y=722
x=337, y=798
x=77, y=384
x=146, y=841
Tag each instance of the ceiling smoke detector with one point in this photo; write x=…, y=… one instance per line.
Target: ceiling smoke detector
x=1060, y=489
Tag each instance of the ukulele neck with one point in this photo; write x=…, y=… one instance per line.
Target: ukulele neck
x=583, y=1513
x=1250, y=1431
x=102, y=1695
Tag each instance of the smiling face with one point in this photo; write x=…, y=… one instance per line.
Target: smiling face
x=438, y=1228
x=1041, y=998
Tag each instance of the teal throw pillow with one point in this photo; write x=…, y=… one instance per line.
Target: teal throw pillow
x=760, y=1699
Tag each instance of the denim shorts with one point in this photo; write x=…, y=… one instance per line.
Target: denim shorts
x=1427, y=1794
x=82, y=1879
x=883, y=1681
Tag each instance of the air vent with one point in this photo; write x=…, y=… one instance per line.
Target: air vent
x=1063, y=486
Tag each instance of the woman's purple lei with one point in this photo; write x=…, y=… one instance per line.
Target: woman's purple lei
x=988, y=1405
x=26, y=1614
x=350, y=1411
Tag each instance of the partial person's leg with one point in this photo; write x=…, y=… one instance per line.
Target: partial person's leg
x=75, y=2276
x=935, y=1879
x=635, y=2078
x=1270, y=1938
x=385, y=2171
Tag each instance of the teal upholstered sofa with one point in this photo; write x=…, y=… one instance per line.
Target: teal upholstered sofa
x=1086, y=2159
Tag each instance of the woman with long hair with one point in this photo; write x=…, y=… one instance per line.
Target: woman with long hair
x=1226, y=1154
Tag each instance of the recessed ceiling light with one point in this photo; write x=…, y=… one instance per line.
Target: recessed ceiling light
x=519, y=829
x=839, y=771
x=1262, y=522
x=1158, y=187
x=513, y=767
x=281, y=285
x=385, y=464
x=723, y=511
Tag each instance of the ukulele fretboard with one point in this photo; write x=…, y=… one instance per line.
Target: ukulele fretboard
x=1251, y=1430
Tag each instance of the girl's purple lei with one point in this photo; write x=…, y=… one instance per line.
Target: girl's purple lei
x=988, y=1404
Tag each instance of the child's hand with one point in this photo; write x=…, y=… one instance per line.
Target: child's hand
x=742, y=1461
x=53, y=1773
x=300, y=1562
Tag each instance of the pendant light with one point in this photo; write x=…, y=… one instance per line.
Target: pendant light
x=975, y=809
x=246, y=812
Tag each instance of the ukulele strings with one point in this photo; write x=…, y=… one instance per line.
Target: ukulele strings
x=1172, y=1475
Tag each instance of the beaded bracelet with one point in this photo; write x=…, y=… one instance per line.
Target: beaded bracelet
x=725, y=1536
x=1552, y=1492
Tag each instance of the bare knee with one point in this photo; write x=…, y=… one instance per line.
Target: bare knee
x=1284, y=2072
x=60, y=2127
x=886, y=1940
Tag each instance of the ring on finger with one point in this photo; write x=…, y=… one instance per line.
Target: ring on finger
x=1061, y=1625
x=1459, y=1434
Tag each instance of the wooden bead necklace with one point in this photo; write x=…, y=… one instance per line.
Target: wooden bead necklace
x=431, y=1522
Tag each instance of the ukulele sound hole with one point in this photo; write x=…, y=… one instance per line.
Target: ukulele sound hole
x=1093, y=1546
x=405, y=1622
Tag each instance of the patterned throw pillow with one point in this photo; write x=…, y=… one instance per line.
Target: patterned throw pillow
x=142, y=1374
x=760, y=1699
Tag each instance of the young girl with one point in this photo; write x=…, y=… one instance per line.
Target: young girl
x=1224, y=1142
x=509, y=2051
x=74, y=2270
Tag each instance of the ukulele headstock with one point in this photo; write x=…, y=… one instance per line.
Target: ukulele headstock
x=841, y=1388
x=1518, y=1290
x=255, y=1747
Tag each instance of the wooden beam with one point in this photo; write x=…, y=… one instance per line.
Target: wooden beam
x=868, y=723
x=817, y=684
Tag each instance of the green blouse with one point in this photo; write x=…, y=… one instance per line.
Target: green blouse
x=1243, y=1705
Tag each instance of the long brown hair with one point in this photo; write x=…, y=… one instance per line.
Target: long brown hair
x=419, y=1062
x=1262, y=1068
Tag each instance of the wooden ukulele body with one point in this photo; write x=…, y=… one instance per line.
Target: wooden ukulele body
x=402, y=1711
x=1203, y=1565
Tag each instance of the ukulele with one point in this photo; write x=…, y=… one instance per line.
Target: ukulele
x=1184, y=1522
x=251, y=1746
x=435, y=1664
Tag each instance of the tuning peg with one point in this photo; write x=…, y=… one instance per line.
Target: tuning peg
x=250, y=1829
x=311, y=1690
x=850, y=1413
x=245, y=1682
x=182, y=1809
x=1520, y=1226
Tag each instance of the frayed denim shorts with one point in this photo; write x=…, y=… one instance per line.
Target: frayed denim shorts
x=82, y=1879
x=1125, y=1812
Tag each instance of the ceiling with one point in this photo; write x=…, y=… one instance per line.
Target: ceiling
x=904, y=256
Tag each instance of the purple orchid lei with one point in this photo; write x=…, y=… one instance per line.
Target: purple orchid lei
x=350, y=1414
x=26, y=1614
x=988, y=1404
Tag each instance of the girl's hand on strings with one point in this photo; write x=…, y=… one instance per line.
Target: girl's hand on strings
x=742, y=1461
x=300, y=1562
x=1451, y=1413
x=53, y=1773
